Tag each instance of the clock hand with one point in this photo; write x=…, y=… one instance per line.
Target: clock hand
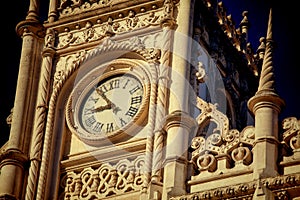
x=113, y=106
x=101, y=93
x=101, y=108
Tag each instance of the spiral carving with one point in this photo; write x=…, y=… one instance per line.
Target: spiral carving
x=150, y=134
x=39, y=122
x=161, y=103
x=266, y=81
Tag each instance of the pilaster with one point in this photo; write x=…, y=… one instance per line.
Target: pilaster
x=178, y=124
x=13, y=166
x=40, y=114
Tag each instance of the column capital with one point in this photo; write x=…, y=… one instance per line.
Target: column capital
x=13, y=156
x=30, y=26
x=7, y=197
x=179, y=118
x=266, y=99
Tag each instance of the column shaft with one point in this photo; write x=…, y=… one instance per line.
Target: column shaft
x=178, y=123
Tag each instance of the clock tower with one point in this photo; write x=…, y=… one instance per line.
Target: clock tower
x=161, y=99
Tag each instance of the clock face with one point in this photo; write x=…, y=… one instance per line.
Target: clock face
x=110, y=104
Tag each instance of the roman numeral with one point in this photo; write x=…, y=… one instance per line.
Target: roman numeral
x=93, y=99
x=133, y=90
x=88, y=111
x=98, y=126
x=135, y=100
x=109, y=127
x=114, y=84
x=132, y=111
x=127, y=81
x=123, y=123
x=103, y=88
x=90, y=121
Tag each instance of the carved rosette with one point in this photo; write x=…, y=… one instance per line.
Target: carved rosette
x=103, y=181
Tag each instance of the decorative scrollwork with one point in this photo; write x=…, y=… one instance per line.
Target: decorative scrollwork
x=291, y=136
x=220, y=141
x=104, y=181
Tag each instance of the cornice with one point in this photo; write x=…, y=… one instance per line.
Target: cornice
x=103, y=14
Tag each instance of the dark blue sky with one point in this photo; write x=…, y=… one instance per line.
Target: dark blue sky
x=285, y=54
x=286, y=41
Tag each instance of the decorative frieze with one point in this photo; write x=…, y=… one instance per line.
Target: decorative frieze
x=283, y=187
x=104, y=180
x=96, y=31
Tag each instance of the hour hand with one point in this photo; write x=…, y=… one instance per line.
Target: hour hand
x=97, y=109
x=101, y=93
x=112, y=105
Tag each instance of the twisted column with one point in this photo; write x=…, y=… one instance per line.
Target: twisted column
x=150, y=134
x=40, y=114
x=161, y=104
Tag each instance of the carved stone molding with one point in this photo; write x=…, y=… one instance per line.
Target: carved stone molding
x=29, y=26
x=179, y=118
x=283, y=187
x=96, y=31
x=13, y=156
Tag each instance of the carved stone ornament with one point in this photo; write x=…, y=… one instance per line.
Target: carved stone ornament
x=221, y=142
x=104, y=180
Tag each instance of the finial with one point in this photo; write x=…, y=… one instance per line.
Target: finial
x=244, y=23
x=269, y=31
x=266, y=81
x=262, y=47
x=266, y=87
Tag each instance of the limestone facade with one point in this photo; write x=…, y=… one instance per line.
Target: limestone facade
x=206, y=128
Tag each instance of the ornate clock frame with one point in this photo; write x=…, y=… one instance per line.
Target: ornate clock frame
x=117, y=67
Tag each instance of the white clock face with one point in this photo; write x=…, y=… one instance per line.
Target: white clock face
x=111, y=104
